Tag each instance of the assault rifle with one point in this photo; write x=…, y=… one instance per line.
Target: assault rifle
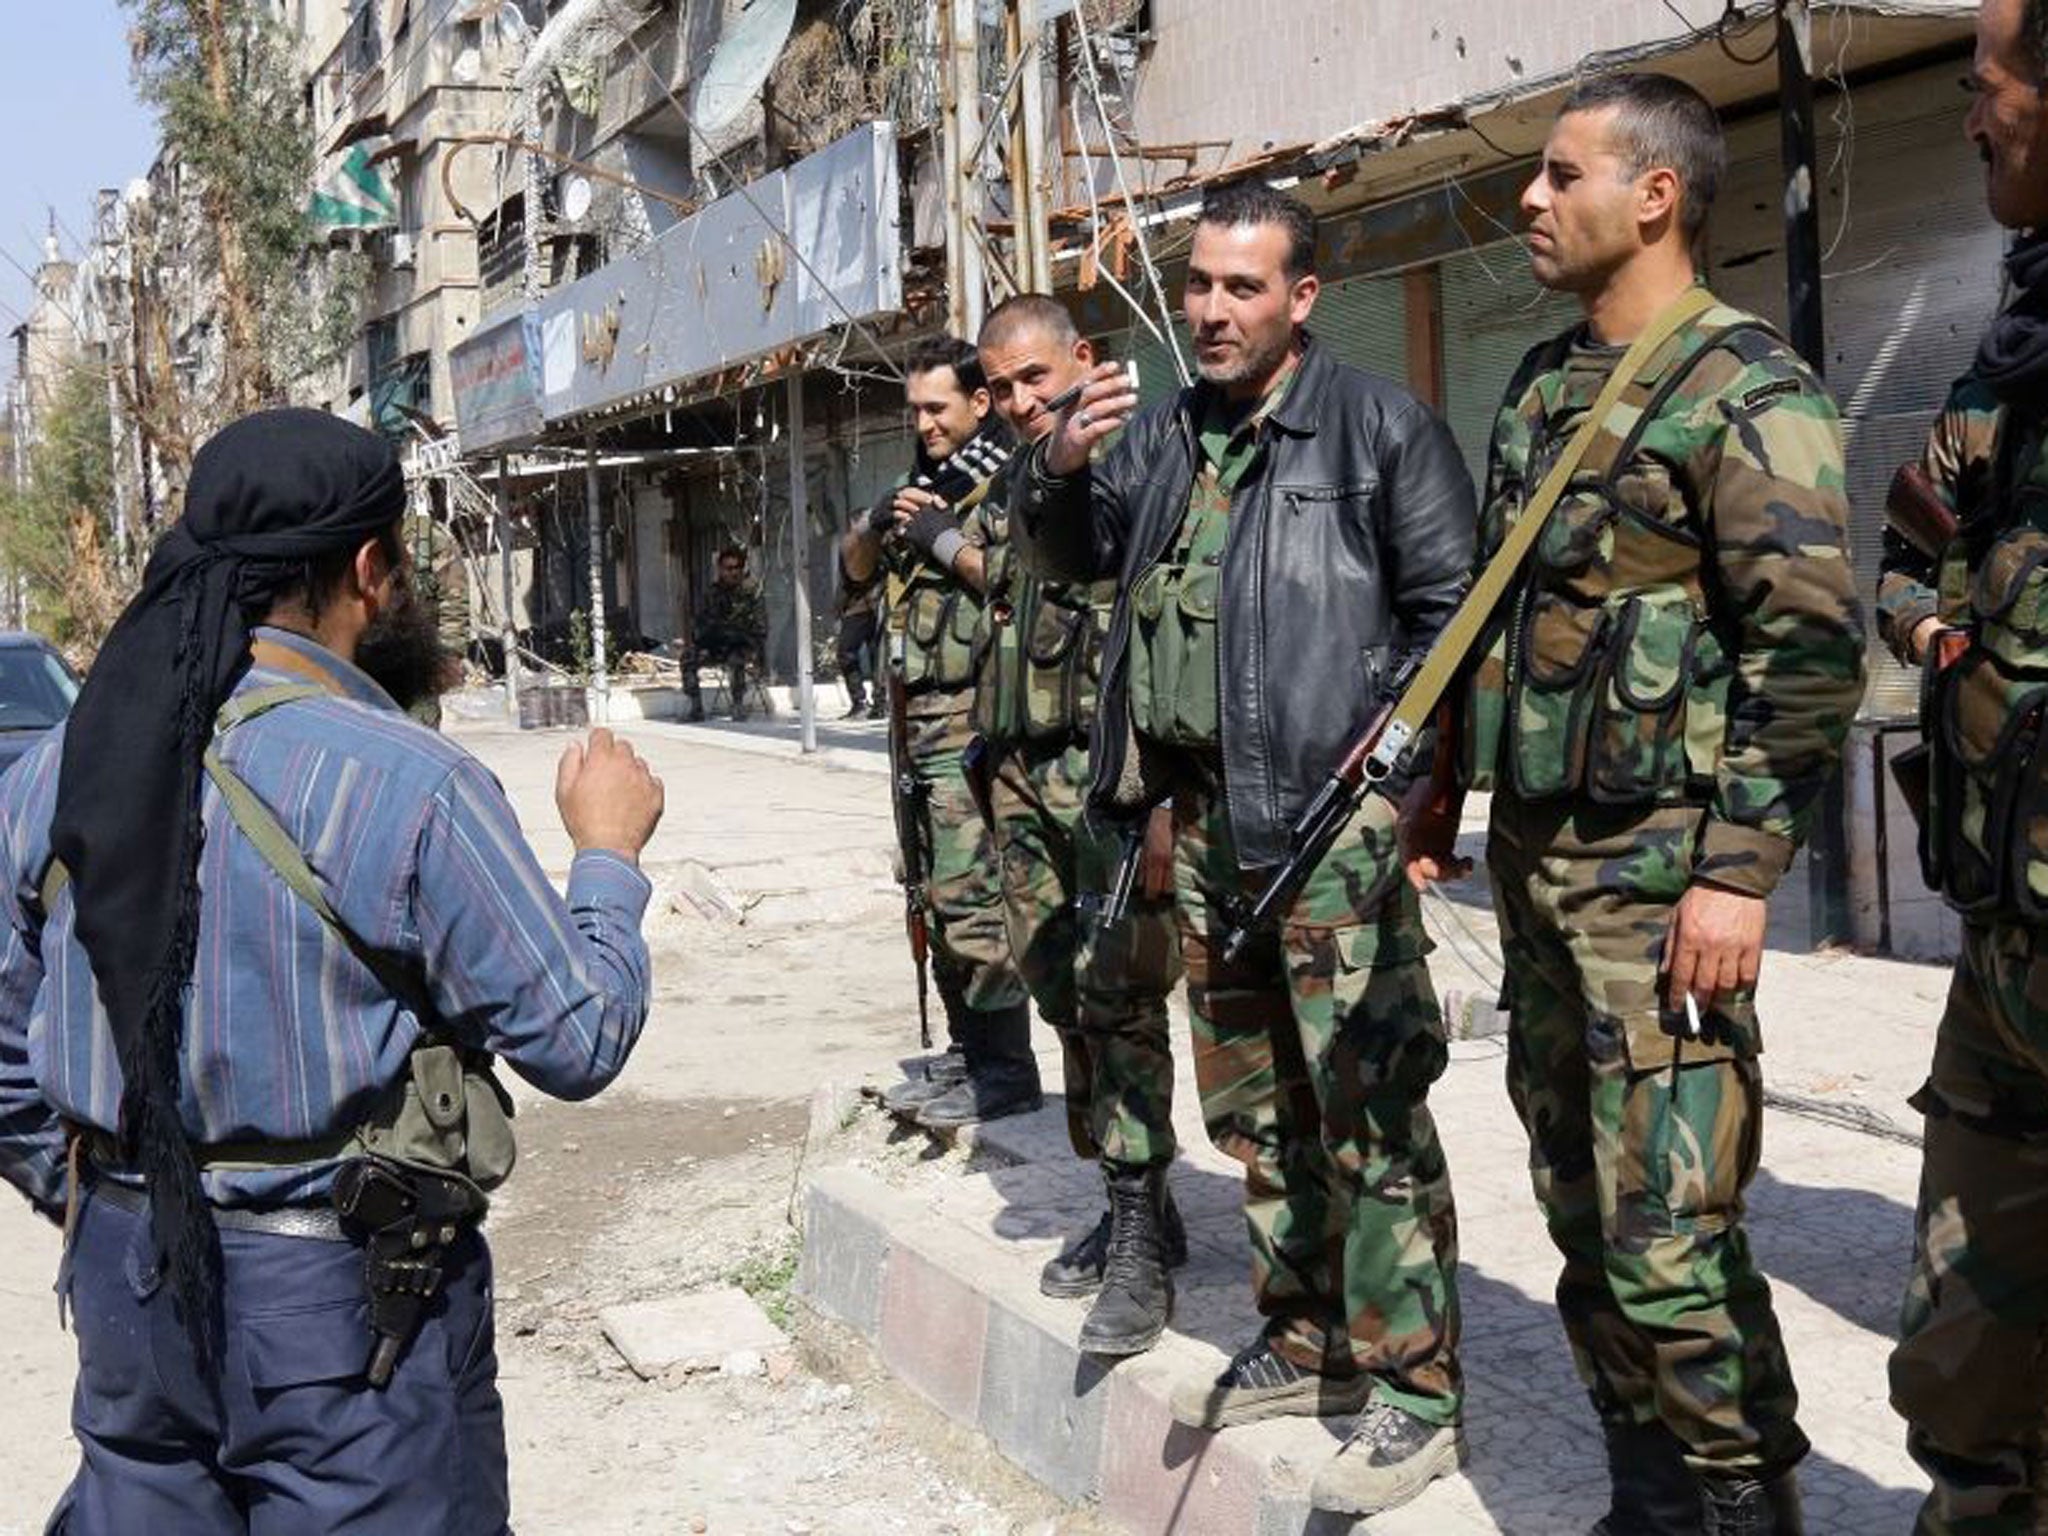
x=907, y=794
x=1409, y=701
x=1368, y=761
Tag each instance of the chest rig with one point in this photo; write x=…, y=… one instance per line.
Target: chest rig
x=1606, y=676
x=1040, y=649
x=1984, y=844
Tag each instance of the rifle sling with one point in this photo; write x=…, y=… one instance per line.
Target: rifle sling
x=1461, y=634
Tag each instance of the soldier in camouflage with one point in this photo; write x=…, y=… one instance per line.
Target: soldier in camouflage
x=1663, y=698
x=731, y=631
x=935, y=578
x=1102, y=985
x=441, y=586
x=1284, y=530
x=1968, y=1374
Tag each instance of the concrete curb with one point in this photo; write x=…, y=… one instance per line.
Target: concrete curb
x=729, y=738
x=953, y=1320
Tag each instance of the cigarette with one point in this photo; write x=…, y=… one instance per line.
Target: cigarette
x=1069, y=395
x=1692, y=1015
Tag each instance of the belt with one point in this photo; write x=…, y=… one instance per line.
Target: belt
x=279, y=1221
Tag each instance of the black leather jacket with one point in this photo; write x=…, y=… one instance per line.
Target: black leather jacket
x=1350, y=544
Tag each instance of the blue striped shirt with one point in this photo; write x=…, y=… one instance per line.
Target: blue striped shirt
x=287, y=1036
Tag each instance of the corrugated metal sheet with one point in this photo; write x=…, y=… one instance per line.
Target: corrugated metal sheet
x=1364, y=320
x=1494, y=312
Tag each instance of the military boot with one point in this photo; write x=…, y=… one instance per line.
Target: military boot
x=1137, y=1293
x=1076, y=1270
x=1653, y=1493
x=926, y=1081
x=1002, y=1074
x=1748, y=1506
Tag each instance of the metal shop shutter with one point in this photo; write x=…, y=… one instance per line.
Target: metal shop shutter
x=1907, y=289
x=1494, y=312
x=1364, y=321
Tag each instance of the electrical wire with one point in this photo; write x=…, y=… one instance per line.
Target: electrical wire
x=1180, y=364
x=774, y=225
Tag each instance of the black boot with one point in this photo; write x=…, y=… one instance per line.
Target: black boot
x=736, y=688
x=1076, y=1270
x=1748, y=1506
x=1654, y=1494
x=927, y=1080
x=696, y=711
x=1137, y=1292
x=1002, y=1074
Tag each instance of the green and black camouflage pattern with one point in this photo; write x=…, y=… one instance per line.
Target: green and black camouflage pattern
x=1687, y=629
x=970, y=936
x=1642, y=1137
x=1314, y=1053
x=1968, y=1371
x=1103, y=990
x=1967, y=1374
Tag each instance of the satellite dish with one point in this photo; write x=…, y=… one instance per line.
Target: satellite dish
x=738, y=67
x=575, y=198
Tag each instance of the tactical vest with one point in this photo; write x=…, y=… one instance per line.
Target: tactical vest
x=1041, y=650
x=1605, y=676
x=449, y=1114
x=1984, y=843
x=1176, y=689
x=935, y=619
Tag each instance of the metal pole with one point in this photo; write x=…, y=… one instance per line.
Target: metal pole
x=1828, y=849
x=966, y=301
x=600, y=679
x=800, y=557
x=508, y=630
x=1027, y=175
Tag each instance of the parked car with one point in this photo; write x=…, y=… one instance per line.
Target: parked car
x=36, y=689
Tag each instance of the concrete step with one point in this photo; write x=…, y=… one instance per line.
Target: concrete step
x=930, y=1253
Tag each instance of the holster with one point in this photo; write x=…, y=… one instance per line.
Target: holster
x=407, y=1217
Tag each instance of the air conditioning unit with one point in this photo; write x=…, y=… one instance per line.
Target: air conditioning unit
x=404, y=253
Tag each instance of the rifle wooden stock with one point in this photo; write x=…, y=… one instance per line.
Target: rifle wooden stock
x=1914, y=510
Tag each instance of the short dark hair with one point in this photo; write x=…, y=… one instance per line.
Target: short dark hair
x=936, y=352
x=2034, y=34
x=1236, y=204
x=1029, y=312
x=312, y=584
x=1663, y=123
x=733, y=552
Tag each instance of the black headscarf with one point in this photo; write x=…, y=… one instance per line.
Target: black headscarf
x=266, y=496
x=2013, y=358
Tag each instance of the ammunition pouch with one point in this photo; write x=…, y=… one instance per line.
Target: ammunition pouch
x=942, y=621
x=1984, y=843
x=1041, y=659
x=1175, y=687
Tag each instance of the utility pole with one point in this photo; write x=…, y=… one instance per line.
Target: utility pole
x=800, y=559
x=960, y=87
x=600, y=676
x=508, y=632
x=1028, y=185
x=1828, y=848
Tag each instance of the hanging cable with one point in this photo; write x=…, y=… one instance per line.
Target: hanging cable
x=1116, y=165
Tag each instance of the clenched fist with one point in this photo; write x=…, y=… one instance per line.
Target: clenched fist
x=608, y=797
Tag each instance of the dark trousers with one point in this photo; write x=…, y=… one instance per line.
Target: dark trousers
x=287, y=1439
x=859, y=646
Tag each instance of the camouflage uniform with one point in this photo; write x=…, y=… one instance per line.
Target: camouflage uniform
x=442, y=585
x=731, y=629
x=1970, y=1374
x=933, y=620
x=1661, y=702
x=1314, y=1051
x=1103, y=992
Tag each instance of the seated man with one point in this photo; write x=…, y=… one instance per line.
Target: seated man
x=731, y=631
